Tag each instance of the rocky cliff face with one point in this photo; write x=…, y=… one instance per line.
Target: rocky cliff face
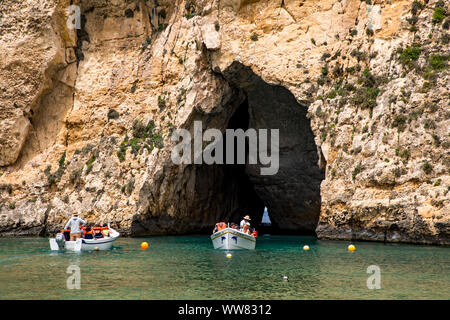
x=358, y=90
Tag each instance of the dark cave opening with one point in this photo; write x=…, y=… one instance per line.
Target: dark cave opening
x=247, y=201
x=191, y=198
x=292, y=195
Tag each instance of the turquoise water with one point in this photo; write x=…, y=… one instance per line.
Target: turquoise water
x=187, y=267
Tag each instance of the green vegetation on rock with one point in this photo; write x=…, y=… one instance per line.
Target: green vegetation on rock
x=409, y=54
x=144, y=136
x=438, y=62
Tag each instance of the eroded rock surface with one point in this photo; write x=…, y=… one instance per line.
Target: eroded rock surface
x=358, y=89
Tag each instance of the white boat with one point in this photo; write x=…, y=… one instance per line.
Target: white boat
x=230, y=238
x=105, y=243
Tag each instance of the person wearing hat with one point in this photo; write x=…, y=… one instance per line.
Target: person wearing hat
x=245, y=224
x=74, y=224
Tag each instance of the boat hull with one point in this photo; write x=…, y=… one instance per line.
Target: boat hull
x=230, y=239
x=87, y=244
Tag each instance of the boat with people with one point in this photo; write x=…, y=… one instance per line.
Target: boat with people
x=96, y=238
x=233, y=237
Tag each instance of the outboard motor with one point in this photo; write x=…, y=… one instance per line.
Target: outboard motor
x=60, y=238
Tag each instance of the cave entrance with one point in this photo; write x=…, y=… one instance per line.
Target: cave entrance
x=246, y=200
x=292, y=195
x=192, y=198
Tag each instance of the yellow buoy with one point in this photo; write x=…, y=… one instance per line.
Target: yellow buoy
x=144, y=245
x=229, y=255
x=351, y=248
x=305, y=247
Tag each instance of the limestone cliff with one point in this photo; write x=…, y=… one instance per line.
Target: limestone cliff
x=358, y=89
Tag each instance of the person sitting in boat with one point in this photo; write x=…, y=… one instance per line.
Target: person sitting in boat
x=98, y=233
x=74, y=224
x=88, y=233
x=245, y=224
x=219, y=226
x=234, y=226
x=105, y=230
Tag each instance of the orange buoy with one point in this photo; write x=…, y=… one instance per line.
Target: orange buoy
x=144, y=245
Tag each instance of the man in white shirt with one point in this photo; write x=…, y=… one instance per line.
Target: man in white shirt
x=245, y=224
x=74, y=224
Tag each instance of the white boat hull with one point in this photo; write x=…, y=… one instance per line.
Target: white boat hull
x=86, y=244
x=230, y=239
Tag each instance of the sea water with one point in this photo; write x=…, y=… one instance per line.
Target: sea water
x=187, y=267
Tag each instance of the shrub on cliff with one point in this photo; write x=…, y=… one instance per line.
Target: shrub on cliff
x=90, y=164
x=62, y=160
x=429, y=124
x=161, y=103
x=413, y=20
x=398, y=172
x=405, y=154
x=366, y=95
x=360, y=55
x=139, y=129
x=121, y=156
x=87, y=148
x=399, y=122
x=409, y=54
x=438, y=62
x=189, y=9
x=9, y=188
x=143, y=136
x=113, y=114
x=75, y=176
x=123, y=149
x=358, y=169
x=413, y=28
x=438, y=15
x=416, y=6
x=181, y=96
x=436, y=140
x=427, y=167
x=54, y=177
x=142, y=131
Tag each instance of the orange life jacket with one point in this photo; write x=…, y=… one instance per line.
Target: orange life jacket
x=221, y=226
